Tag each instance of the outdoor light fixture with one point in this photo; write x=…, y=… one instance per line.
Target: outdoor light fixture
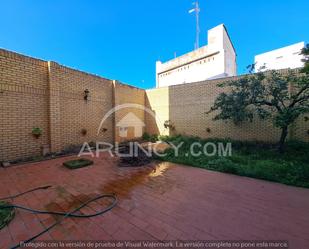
x=86, y=94
x=84, y=132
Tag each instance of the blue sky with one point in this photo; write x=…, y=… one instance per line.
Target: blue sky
x=122, y=39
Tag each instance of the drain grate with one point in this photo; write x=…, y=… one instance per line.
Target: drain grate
x=79, y=163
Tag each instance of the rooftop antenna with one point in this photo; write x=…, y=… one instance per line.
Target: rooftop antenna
x=197, y=11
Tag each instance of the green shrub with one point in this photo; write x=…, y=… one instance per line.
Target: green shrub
x=223, y=165
x=150, y=138
x=249, y=158
x=146, y=136
x=164, y=138
x=37, y=132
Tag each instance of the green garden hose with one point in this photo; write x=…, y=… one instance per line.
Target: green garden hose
x=63, y=214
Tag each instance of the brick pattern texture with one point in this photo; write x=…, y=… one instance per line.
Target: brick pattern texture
x=37, y=93
x=71, y=113
x=23, y=105
x=186, y=106
x=126, y=95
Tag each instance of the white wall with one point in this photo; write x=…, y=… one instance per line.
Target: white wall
x=216, y=60
x=282, y=58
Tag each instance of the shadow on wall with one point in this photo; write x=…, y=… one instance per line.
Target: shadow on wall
x=188, y=105
x=185, y=107
x=46, y=95
x=157, y=101
x=130, y=120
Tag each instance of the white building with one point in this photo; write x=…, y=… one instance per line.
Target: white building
x=282, y=58
x=216, y=60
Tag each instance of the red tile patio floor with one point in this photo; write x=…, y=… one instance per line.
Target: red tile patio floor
x=174, y=202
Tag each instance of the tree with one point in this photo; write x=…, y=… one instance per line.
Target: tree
x=305, y=52
x=269, y=95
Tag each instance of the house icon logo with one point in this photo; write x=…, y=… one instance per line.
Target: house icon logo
x=130, y=124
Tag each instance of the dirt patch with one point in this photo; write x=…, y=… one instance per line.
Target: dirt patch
x=133, y=156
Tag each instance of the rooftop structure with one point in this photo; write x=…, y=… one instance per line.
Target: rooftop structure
x=282, y=58
x=215, y=60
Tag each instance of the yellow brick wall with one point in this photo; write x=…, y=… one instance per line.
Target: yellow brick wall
x=125, y=94
x=23, y=105
x=300, y=129
x=186, y=106
x=73, y=113
x=157, y=101
x=36, y=93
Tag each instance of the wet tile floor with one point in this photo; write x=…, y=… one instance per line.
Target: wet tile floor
x=162, y=201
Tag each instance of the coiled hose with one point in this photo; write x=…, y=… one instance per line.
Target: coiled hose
x=63, y=214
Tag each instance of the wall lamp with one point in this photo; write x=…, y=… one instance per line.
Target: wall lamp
x=86, y=94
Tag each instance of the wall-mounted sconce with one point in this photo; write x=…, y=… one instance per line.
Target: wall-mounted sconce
x=84, y=132
x=86, y=94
